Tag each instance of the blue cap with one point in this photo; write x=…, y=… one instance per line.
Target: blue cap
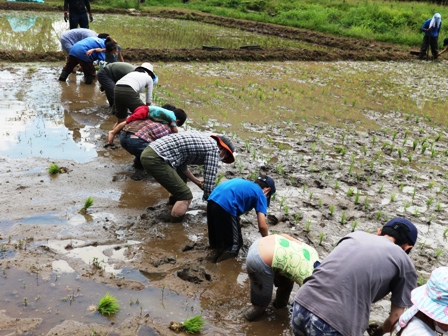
x=412, y=234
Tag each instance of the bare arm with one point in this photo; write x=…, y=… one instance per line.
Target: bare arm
x=262, y=226
x=388, y=324
x=193, y=179
x=120, y=57
x=440, y=53
x=91, y=51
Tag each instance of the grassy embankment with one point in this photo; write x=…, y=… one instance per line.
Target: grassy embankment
x=393, y=22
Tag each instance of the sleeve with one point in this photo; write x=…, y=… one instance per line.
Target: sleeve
x=210, y=169
x=140, y=113
x=87, y=3
x=149, y=91
x=425, y=25
x=261, y=203
x=402, y=286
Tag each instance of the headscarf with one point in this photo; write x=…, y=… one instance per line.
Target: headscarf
x=435, y=21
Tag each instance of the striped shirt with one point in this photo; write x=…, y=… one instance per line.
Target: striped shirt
x=147, y=129
x=182, y=149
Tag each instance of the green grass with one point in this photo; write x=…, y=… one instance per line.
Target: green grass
x=108, y=305
x=54, y=169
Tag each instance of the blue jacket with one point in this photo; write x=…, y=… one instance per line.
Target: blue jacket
x=80, y=48
x=434, y=32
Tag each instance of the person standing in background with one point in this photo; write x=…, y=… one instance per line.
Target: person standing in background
x=431, y=28
x=75, y=11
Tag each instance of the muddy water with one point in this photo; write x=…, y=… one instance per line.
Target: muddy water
x=295, y=118
x=32, y=31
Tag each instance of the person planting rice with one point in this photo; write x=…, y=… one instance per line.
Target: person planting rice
x=278, y=260
x=362, y=269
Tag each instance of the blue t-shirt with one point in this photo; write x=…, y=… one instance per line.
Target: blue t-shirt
x=161, y=115
x=238, y=196
x=80, y=48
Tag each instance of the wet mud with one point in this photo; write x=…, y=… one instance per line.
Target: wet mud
x=340, y=49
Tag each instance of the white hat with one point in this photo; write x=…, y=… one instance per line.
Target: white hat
x=147, y=66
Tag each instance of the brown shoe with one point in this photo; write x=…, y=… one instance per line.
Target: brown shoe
x=253, y=312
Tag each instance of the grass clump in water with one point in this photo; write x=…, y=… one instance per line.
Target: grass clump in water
x=54, y=169
x=87, y=204
x=192, y=325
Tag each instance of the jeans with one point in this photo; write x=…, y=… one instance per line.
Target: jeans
x=134, y=145
x=305, y=323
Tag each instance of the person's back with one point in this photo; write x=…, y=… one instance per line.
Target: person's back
x=118, y=70
x=80, y=48
x=362, y=269
x=70, y=37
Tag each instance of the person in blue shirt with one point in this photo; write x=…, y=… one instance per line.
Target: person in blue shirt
x=84, y=53
x=227, y=202
x=431, y=28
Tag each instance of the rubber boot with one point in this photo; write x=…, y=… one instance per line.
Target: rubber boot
x=63, y=76
x=88, y=79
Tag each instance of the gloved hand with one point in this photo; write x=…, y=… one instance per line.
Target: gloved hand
x=91, y=17
x=375, y=329
x=65, y=16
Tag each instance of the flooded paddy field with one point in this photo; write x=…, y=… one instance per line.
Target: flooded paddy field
x=350, y=145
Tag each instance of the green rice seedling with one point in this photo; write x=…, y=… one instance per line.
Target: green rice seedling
x=414, y=144
x=350, y=192
x=406, y=206
x=307, y=226
x=414, y=192
x=331, y=210
x=354, y=226
x=400, y=152
x=357, y=197
x=304, y=187
x=343, y=137
x=439, y=252
x=410, y=157
x=313, y=148
x=378, y=215
x=343, y=218
x=364, y=150
x=421, y=280
x=54, y=169
x=438, y=137
x=429, y=201
x=430, y=219
x=322, y=155
x=433, y=153
x=286, y=209
x=350, y=169
x=311, y=196
x=394, y=135
x=321, y=238
x=87, y=204
x=401, y=186
x=374, y=140
x=439, y=206
x=32, y=69
x=25, y=301
x=393, y=196
x=406, y=133
x=282, y=201
x=372, y=165
x=193, y=325
x=415, y=212
x=297, y=217
x=424, y=147
x=336, y=185
x=431, y=184
x=385, y=145
x=108, y=305
x=445, y=234
x=352, y=158
x=424, y=140
x=369, y=182
x=441, y=189
x=320, y=202
x=366, y=203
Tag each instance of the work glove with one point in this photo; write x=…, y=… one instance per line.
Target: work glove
x=375, y=329
x=65, y=16
x=91, y=17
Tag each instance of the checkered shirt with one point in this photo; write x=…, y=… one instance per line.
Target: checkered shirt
x=182, y=149
x=147, y=129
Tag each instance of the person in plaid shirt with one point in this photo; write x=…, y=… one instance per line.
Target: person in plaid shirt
x=167, y=158
x=137, y=134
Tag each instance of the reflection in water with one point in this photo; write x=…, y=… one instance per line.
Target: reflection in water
x=21, y=23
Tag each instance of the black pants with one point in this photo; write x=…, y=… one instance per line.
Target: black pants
x=224, y=230
x=429, y=41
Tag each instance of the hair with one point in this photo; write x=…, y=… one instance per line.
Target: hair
x=169, y=107
x=110, y=46
x=261, y=183
x=180, y=115
x=400, y=234
x=103, y=35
